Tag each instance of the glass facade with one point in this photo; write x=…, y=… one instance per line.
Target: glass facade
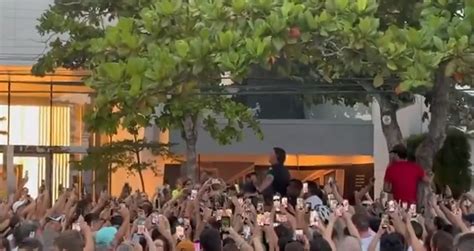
x=47, y=113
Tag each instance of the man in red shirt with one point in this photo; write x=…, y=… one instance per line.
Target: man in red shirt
x=402, y=176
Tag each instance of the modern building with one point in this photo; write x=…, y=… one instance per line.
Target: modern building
x=43, y=127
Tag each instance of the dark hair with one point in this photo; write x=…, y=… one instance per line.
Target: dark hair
x=91, y=217
x=418, y=229
x=392, y=242
x=280, y=155
x=70, y=241
x=116, y=220
x=297, y=184
x=318, y=243
x=361, y=221
x=400, y=150
x=210, y=239
x=464, y=242
x=442, y=241
x=314, y=189
x=156, y=235
x=294, y=245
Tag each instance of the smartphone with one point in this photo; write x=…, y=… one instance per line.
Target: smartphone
x=193, y=195
x=219, y=214
x=405, y=206
x=345, y=205
x=154, y=219
x=339, y=210
x=186, y=222
x=333, y=204
x=267, y=218
x=136, y=238
x=276, y=203
x=140, y=228
x=246, y=232
x=300, y=204
x=260, y=220
x=331, y=181
x=305, y=188
x=260, y=207
x=76, y=227
x=237, y=188
x=313, y=218
x=391, y=206
x=299, y=234
x=284, y=202
x=225, y=222
x=412, y=211
x=385, y=221
x=180, y=232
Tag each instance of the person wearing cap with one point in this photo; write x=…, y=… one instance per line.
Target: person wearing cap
x=402, y=176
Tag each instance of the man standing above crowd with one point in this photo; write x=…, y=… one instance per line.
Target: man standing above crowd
x=402, y=176
x=278, y=177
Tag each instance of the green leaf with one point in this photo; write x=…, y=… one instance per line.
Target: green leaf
x=378, y=80
x=392, y=66
x=226, y=39
x=238, y=5
x=182, y=48
x=135, y=85
x=111, y=70
x=361, y=5
x=278, y=43
x=342, y=4
x=439, y=44
x=136, y=66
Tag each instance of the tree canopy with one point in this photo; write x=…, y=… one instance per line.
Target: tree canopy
x=157, y=61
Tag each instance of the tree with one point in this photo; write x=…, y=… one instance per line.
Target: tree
x=123, y=154
x=452, y=162
x=163, y=53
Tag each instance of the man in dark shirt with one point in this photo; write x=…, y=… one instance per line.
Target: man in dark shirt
x=278, y=177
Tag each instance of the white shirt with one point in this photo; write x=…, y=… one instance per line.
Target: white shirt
x=365, y=242
x=314, y=200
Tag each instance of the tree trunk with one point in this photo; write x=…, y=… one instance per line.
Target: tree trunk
x=190, y=134
x=140, y=174
x=388, y=118
x=434, y=140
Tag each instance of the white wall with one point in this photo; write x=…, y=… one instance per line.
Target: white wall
x=20, y=43
x=409, y=119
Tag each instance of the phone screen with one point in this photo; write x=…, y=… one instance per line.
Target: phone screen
x=180, y=232
x=305, y=187
x=225, y=221
x=136, y=238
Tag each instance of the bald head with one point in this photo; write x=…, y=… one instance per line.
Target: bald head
x=349, y=243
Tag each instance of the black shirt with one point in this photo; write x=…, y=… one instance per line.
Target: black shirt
x=281, y=180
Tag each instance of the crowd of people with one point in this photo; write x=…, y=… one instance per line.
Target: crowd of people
x=276, y=213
